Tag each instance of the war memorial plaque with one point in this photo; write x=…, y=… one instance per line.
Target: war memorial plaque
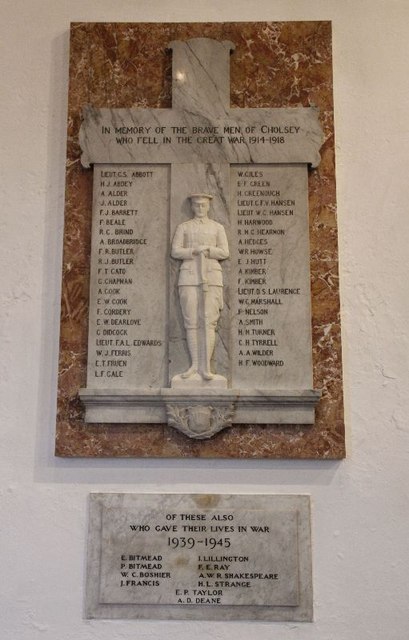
x=199, y=556
x=200, y=301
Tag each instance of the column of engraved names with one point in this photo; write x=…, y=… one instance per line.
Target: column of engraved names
x=122, y=332
x=227, y=572
x=270, y=283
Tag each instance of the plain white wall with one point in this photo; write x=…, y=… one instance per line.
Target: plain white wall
x=360, y=506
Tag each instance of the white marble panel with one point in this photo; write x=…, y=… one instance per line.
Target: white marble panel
x=199, y=556
x=149, y=557
x=175, y=135
x=252, y=165
x=127, y=344
x=270, y=277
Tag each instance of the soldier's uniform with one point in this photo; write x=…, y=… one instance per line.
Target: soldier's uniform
x=195, y=271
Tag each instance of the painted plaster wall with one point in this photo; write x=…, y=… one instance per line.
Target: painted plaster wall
x=360, y=506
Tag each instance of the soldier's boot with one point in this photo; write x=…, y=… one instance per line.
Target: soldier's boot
x=210, y=340
x=191, y=335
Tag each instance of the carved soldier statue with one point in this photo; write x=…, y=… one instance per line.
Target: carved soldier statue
x=200, y=243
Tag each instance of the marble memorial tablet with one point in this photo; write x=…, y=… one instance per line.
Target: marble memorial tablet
x=199, y=556
x=198, y=308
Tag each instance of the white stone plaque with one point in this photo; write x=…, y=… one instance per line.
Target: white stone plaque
x=200, y=318
x=127, y=343
x=203, y=556
x=270, y=292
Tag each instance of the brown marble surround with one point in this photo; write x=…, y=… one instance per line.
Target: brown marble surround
x=275, y=65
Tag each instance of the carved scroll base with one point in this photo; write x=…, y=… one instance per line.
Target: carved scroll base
x=199, y=421
x=203, y=414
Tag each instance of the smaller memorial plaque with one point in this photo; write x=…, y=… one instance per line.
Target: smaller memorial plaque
x=199, y=556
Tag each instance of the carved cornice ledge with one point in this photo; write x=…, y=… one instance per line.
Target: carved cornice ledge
x=203, y=413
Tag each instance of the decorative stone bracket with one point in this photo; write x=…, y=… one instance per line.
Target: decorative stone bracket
x=199, y=421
